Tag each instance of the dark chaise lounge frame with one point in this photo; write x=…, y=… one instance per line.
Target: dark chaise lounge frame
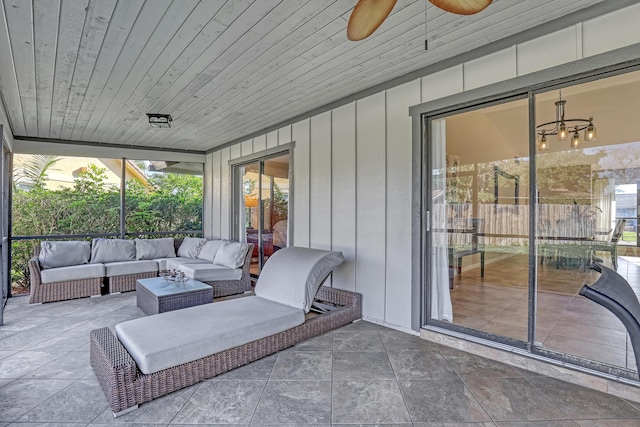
x=615, y=294
x=126, y=387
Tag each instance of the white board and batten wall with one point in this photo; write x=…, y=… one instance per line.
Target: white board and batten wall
x=352, y=165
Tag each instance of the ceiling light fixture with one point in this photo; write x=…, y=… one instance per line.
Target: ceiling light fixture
x=160, y=120
x=562, y=131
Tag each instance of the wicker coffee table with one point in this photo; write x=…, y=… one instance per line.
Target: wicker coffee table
x=157, y=295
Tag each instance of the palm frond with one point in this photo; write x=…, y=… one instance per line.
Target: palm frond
x=33, y=173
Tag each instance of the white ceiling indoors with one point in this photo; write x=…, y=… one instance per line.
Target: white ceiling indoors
x=89, y=70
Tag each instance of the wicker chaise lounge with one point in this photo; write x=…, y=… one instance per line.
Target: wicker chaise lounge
x=125, y=383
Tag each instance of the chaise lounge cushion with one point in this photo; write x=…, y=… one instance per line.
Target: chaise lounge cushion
x=129, y=267
x=283, y=285
x=178, y=262
x=231, y=254
x=112, y=250
x=62, y=254
x=190, y=247
x=155, y=248
x=168, y=339
x=74, y=272
x=211, y=272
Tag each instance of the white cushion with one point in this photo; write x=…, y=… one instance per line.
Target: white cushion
x=162, y=262
x=293, y=275
x=211, y=272
x=231, y=254
x=112, y=250
x=76, y=272
x=155, y=248
x=129, y=267
x=176, y=263
x=209, y=249
x=190, y=247
x=62, y=254
x=169, y=339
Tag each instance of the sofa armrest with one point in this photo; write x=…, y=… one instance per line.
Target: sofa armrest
x=247, y=263
x=114, y=368
x=34, y=272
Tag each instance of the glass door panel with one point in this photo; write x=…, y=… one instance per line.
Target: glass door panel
x=480, y=219
x=250, y=210
x=587, y=212
x=264, y=207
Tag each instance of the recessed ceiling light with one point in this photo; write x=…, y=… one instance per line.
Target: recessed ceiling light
x=160, y=120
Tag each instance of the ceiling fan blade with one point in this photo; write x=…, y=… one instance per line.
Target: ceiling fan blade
x=367, y=17
x=461, y=7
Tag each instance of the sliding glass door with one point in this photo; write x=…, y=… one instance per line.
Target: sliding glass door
x=261, y=214
x=480, y=218
x=523, y=195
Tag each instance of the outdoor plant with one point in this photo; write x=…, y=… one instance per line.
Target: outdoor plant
x=171, y=202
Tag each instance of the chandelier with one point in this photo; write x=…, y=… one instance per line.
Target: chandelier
x=562, y=127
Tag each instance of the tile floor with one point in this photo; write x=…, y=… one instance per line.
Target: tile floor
x=567, y=322
x=362, y=374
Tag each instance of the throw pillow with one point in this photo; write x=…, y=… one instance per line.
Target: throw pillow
x=112, y=250
x=209, y=250
x=231, y=254
x=155, y=248
x=190, y=247
x=63, y=254
x=292, y=276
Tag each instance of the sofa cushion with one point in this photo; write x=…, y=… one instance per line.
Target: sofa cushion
x=211, y=272
x=162, y=263
x=176, y=263
x=62, y=254
x=129, y=267
x=112, y=250
x=75, y=272
x=231, y=254
x=168, y=339
x=190, y=247
x=155, y=248
x=209, y=249
x=293, y=275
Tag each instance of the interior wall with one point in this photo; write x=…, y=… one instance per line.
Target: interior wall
x=352, y=165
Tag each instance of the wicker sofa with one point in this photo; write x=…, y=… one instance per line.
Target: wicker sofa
x=68, y=272
x=128, y=383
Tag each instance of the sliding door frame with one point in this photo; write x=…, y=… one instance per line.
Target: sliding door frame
x=589, y=69
x=235, y=166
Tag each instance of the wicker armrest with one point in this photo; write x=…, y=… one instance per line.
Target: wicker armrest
x=114, y=367
x=340, y=297
x=34, y=271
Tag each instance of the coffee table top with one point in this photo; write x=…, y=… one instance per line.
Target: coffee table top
x=161, y=287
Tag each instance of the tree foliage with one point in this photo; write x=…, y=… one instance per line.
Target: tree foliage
x=174, y=202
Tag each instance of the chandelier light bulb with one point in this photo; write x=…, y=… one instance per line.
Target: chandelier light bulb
x=562, y=132
x=575, y=139
x=542, y=144
x=590, y=133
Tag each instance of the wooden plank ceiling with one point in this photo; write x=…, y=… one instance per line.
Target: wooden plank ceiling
x=89, y=70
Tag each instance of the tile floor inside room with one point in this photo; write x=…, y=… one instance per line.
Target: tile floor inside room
x=361, y=374
x=567, y=322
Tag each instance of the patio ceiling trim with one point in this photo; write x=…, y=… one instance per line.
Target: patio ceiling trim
x=6, y=126
x=530, y=34
x=59, y=147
